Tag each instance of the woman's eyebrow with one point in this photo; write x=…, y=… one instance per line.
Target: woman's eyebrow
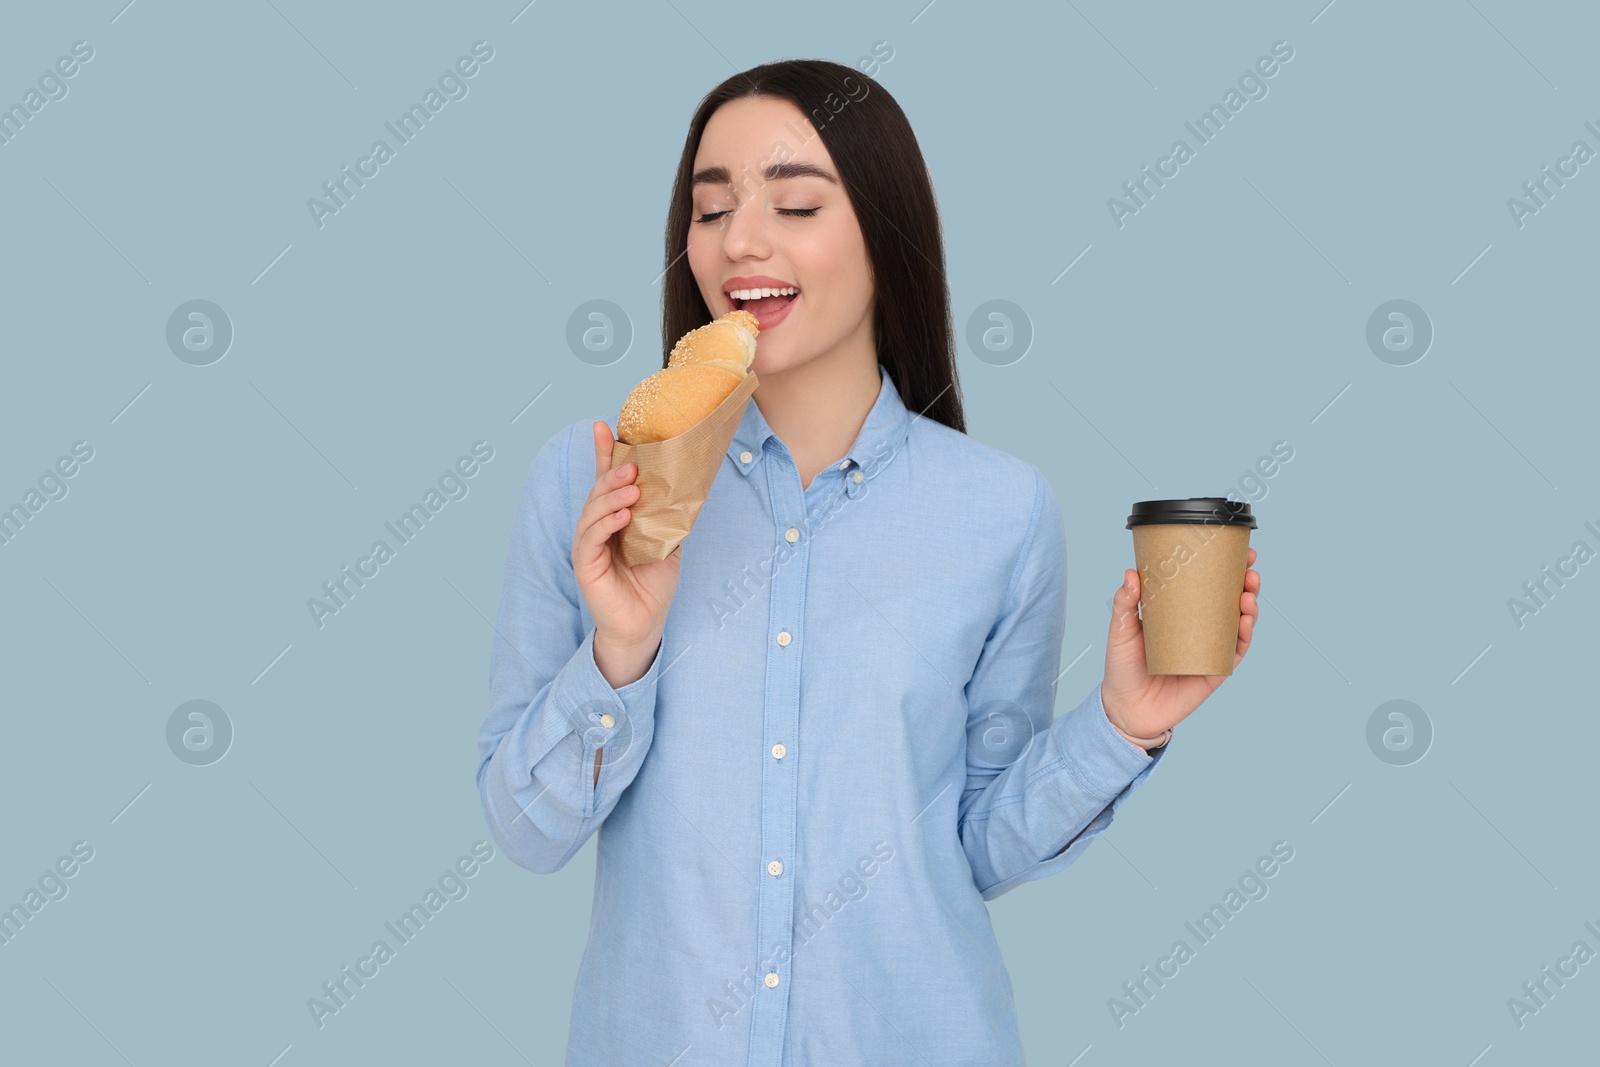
x=776, y=172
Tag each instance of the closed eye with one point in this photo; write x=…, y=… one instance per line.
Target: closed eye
x=797, y=212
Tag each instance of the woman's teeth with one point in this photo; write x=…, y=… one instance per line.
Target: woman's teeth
x=756, y=294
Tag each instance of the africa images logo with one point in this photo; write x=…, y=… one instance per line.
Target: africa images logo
x=453, y=85
x=1212, y=121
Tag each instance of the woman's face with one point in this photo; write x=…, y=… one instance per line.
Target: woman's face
x=793, y=231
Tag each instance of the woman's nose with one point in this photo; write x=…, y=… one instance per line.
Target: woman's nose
x=746, y=232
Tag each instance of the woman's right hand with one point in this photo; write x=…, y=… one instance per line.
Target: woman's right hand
x=629, y=604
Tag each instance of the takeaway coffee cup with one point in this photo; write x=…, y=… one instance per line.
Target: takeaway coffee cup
x=1191, y=556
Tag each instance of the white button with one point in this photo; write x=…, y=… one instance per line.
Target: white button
x=845, y=464
x=607, y=721
x=856, y=477
x=772, y=979
x=774, y=868
x=778, y=751
x=784, y=638
x=791, y=535
x=744, y=457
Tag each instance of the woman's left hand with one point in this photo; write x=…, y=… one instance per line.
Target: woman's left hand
x=1145, y=704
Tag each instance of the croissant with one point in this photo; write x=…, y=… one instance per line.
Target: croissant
x=703, y=370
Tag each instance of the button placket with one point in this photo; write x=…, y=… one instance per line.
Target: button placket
x=779, y=780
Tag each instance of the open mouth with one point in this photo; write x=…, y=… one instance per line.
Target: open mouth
x=761, y=307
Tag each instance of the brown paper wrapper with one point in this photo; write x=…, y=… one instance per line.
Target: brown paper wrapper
x=675, y=477
x=1190, y=579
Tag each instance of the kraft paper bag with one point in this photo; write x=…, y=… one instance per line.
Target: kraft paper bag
x=675, y=477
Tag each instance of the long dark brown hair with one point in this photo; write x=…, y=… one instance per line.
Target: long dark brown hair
x=886, y=178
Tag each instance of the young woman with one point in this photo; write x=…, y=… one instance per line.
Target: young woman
x=821, y=733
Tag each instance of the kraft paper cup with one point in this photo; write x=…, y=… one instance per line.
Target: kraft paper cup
x=1191, y=556
x=675, y=477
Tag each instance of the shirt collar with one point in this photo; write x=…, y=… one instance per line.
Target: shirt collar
x=880, y=438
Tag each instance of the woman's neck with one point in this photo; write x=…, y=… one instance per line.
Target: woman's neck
x=818, y=408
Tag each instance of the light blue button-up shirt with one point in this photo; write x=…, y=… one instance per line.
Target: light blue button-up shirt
x=846, y=743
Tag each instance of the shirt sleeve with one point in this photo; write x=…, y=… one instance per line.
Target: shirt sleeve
x=1033, y=784
x=549, y=704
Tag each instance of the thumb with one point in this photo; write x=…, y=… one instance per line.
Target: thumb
x=1126, y=672
x=1125, y=624
x=603, y=445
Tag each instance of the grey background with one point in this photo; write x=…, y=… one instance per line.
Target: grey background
x=368, y=355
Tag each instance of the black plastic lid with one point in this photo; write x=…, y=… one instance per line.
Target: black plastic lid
x=1209, y=510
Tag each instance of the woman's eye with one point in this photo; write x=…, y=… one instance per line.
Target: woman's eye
x=797, y=212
